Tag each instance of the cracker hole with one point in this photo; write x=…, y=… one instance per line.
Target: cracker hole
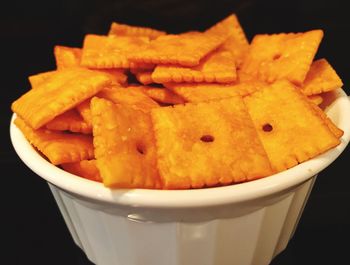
x=207, y=138
x=267, y=127
x=277, y=56
x=141, y=148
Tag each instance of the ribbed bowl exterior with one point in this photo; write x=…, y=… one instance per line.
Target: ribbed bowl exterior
x=247, y=233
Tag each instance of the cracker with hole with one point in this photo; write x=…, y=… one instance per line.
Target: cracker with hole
x=69, y=121
x=282, y=56
x=237, y=42
x=58, y=147
x=289, y=127
x=199, y=92
x=60, y=92
x=101, y=51
x=124, y=145
x=218, y=66
x=133, y=97
x=186, y=49
x=213, y=143
x=119, y=29
x=85, y=169
x=321, y=78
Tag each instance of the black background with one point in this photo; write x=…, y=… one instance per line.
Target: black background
x=33, y=231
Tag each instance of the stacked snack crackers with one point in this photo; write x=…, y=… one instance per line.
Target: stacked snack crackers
x=140, y=108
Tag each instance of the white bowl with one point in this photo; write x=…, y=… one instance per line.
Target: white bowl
x=242, y=224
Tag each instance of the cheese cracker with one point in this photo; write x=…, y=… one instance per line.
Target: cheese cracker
x=124, y=145
x=58, y=147
x=218, y=66
x=213, y=143
x=62, y=91
x=289, y=128
x=282, y=56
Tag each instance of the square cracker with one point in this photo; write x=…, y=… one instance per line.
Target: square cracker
x=85, y=169
x=124, y=145
x=237, y=42
x=119, y=29
x=110, y=51
x=67, y=57
x=282, y=56
x=198, y=92
x=58, y=147
x=160, y=94
x=289, y=127
x=69, y=121
x=60, y=92
x=38, y=79
x=186, y=49
x=133, y=97
x=213, y=143
x=321, y=78
x=218, y=66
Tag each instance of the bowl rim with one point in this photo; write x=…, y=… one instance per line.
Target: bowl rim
x=205, y=197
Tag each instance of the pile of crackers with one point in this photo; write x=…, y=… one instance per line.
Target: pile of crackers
x=141, y=108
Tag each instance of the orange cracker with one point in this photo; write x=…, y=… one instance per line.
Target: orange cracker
x=119, y=29
x=62, y=91
x=203, y=92
x=237, y=43
x=144, y=77
x=321, y=78
x=84, y=110
x=124, y=145
x=85, y=168
x=110, y=51
x=161, y=95
x=316, y=99
x=67, y=56
x=213, y=143
x=133, y=97
x=334, y=129
x=71, y=57
x=278, y=56
x=39, y=79
x=218, y=66
x=69, y=121
x=58, y=147
x=186, y=49
x=293, y=135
